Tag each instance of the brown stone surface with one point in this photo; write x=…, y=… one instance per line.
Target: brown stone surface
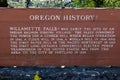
x=20, y=18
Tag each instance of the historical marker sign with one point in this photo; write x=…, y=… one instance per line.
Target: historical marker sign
x=59, y=37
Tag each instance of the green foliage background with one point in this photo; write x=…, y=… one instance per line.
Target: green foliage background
x=96, y=3
x=76, y=3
